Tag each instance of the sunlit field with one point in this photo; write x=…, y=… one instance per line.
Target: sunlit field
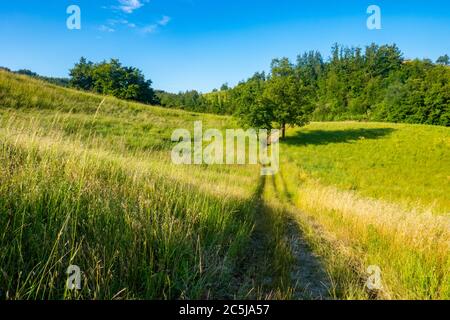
x=409, y=164
x=372, y=194
x=88, y=180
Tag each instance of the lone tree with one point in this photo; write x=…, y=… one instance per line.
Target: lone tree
x=444, y=60
x=279, y=100
x=287, y=96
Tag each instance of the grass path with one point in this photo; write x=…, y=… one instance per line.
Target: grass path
x=308, y=273
x=281, y=254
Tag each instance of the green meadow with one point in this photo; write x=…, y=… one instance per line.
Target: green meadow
x=371, y=194
x=87, y=180
x=402, y=163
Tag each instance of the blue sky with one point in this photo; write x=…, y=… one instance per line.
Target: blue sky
x=200, y=44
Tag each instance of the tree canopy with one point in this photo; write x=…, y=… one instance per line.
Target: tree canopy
x=372, y=83
x=444, y=60
x=111, y=78
x=283, y=100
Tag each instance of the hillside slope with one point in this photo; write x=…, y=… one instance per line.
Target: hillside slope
x=87, y=180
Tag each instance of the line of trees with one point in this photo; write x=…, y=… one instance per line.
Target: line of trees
x=375, y=83
x=189, y=100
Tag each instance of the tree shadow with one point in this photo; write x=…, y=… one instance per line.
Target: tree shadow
x=324, y=137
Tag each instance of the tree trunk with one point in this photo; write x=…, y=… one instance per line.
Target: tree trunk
x=283, y=131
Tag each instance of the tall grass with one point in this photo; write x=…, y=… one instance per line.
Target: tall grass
x=87, y=180
x=134, y=233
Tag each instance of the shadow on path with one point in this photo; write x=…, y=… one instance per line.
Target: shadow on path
x=285, y=261
x=308, y=273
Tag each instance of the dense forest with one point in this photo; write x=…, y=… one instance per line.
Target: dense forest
x=374, y=83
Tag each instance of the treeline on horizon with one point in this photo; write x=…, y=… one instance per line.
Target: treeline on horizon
x=63, y=82
x=374, y=83
x=371, y=84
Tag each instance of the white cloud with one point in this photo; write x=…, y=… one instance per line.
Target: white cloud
x=154, y=27
x=128, y=6
x=104, y=28
x=113, y=22
x=164, y=21
x=119, y=22
x=150, y=29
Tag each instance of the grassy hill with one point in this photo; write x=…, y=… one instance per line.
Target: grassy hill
x=87, y=180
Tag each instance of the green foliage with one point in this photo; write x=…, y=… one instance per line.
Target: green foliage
x=286, y=95
x=189, y=100
x=224, y=87
x=444, y=60
x=278, y=100
x=374, y=83
x=111, y=78
x=87, y=180
x=419, y=94
x=251, y=110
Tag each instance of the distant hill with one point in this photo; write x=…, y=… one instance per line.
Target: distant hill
x=64, y=82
